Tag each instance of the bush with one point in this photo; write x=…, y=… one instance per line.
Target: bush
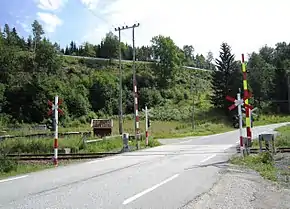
x=7, y=165
x=153, y=142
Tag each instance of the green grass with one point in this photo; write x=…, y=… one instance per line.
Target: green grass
x=282, y=140
x=28, y=167
x=262, y=163
x=12, y=168
x=23, y=168
x=271, y=119
x=158, y=129
x=45, y=145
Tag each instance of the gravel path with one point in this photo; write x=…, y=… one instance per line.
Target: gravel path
x=245, y=189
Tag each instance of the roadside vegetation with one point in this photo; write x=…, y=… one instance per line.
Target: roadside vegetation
x=182, y=102
x=275, y=168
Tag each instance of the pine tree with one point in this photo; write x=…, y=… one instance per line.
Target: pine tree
x=226, y=79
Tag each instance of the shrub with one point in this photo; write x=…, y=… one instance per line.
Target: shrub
x=7, y=165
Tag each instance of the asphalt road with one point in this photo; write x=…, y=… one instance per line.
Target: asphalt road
x=167, y=176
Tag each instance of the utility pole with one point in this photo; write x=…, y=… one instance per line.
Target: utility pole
x=288, y=85
x=137, y=131
x=192, y=94
x=136, y=117
x=120, y=84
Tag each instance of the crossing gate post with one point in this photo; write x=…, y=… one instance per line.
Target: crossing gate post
x=147, y=124
x=239, y=102
x=55, y=109
x=246, y=94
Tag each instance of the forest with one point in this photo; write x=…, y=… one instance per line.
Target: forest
x=33, y=70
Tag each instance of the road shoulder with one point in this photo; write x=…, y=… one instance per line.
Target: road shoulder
x=242, y=188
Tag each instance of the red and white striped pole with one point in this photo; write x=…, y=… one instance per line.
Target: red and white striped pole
x=146, y=126
x=55, y=144
x=137, y=128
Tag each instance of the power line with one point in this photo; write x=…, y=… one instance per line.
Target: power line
x=99, y=17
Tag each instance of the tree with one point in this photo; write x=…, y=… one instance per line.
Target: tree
x=109, y=46
x=188, y=51
x=37, y=32
x=170, y=58
x=143, y=53
x=209, y=59
x=88, y=50
x=261, y=78
x=200, y=61
x=267, y=53
x=224, y=78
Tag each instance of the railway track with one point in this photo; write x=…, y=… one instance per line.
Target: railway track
x=278, y=150
x=61, y=156
x=75, y=156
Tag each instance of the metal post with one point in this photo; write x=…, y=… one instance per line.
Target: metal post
x=246, y=93
x=288, y=85
x=146, y=126
x=242, y=148
x=56, y=130
x=120, y=87
x=192, y=111
x=136, y=116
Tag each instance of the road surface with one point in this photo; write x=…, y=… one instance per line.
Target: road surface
x=167, y=176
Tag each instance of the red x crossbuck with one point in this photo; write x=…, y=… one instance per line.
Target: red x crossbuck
x=238, y=102
x=53, y=107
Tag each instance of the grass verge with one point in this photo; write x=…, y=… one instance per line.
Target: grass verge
x=262, y=163
x=11, y=168
x=282, y=140
x=272, y=168
x=19, y=168
x=271, y=119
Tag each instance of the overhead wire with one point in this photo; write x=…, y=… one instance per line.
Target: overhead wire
x=103, y=19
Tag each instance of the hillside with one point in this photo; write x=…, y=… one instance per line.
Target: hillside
x=35, y=70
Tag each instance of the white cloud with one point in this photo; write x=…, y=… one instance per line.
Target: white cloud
x=91, y=4
x=51, y=21
x=50, y=5
x=204, y=24
x=24, y=26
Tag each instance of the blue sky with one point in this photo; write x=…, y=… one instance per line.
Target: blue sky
x=249, y=24
x=62, y=20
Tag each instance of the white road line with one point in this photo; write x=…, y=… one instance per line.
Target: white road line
x=184, y=141
x=227, y=147
x=101, y=160
x=149, y=190
x=208, y=158
x=11, y=179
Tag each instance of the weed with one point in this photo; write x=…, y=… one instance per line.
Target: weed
x=262, y=163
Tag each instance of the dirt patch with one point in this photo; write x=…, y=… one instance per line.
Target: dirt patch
x=243, y=188
x=282, y=163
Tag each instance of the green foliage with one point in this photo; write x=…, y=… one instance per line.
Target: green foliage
x=226, y=78
x=262, y=163
x=170, y=59
x=268, y=74
x=7, y=165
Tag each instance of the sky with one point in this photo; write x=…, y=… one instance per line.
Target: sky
x=245, y=25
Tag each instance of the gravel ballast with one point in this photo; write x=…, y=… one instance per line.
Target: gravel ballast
x=243, y=188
